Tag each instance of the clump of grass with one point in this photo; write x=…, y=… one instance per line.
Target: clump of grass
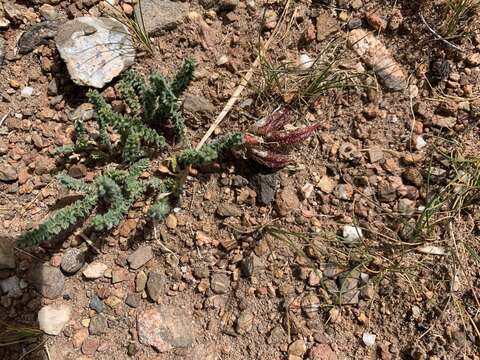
x=135, y=25
x=458, y=14
x=460, y=193
x=303, y=84
x=11, y=334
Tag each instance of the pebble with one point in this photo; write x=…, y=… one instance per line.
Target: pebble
x=376, y=22
x=322, y=352
x=326, y=184
x=98, y=325
x=352, y=233
x=171, y=221
x=155, y=285
x=244, y=322
x=90, y=345
x=311, y=305
x=266, y=187
x=368, y=339
x=119, y=275
x=473, y=59
x=72, y=260
x=160, y=15
x=26, y=92
x=112, y=301
x=326, y=26
x=38, y=34
x=77, y=171
x=305, y=62
x=48, y=12
x=48, y=280
x=133, y=300
x=97, y=304
x=140, y=281
x=165, y=328
x=12, y=286
x=140, y=257
x=226, y=210
x=198, y=105
x=287, y=201
x=53, y=318
x=220, y=283
x=297, y=348
x=94, y=270
x=377, y=57
x=8, y=173
x=349, y=291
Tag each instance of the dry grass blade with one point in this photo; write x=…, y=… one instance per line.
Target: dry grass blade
x=136, y=27
x=244, y=80
x=14, y=334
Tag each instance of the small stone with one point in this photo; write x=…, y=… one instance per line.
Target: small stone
x=161, y=15
x=287, y=201
x=305, y=62
x=127, y=9
x=112, y=301
x=72, y=260
x=220, y=283
x=133, y=300
x=368, y=339
x=226, y=210
x=94, y=270
x=297, y=348
x=97, y=304
x=8, y=173
x=473, y=59
x=345, y=191
x=140, y=257
x=266, y=187
x=354, y=23
x=322, y=352
x=311, y=305
x=349, y=291
x=156, y=285
x=38, y=34
x=198, y=105
x=90, y=345
x=307, y=190
x=270, y=19
x=327, y=184
x=413, y=176
x=165, y=328
x=326, y=26
x=444, y=121
x=79, y=337
x=48, y=280
x=171, y=221
x=48, y=12
x=26, y=92
x=352, y=234
x=140, y=281
x=375, y=154
x=98, y=325
x=376, y=22
x=356, y=4
x=244, y=322
x=77, y=171
x=53, y=318
x=11, y=286
x=378, y=58
x=420, y=142
x=119, y=275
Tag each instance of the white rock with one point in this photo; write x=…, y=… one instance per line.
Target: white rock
x=369, y=339
x=352, y=233
x=53, y=318
x=26, y=92
x=95, y=50
x=10, y=285
x=420, y=143
x=305, y=62
x=377, y=57
x=94, y=270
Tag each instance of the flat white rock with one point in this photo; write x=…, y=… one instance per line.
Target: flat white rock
x=53, y=318
x=95, y=50
x=352, y=233
x=94, y=270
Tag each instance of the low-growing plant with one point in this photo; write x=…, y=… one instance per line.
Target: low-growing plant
x=458, y=14
x=129, y=141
